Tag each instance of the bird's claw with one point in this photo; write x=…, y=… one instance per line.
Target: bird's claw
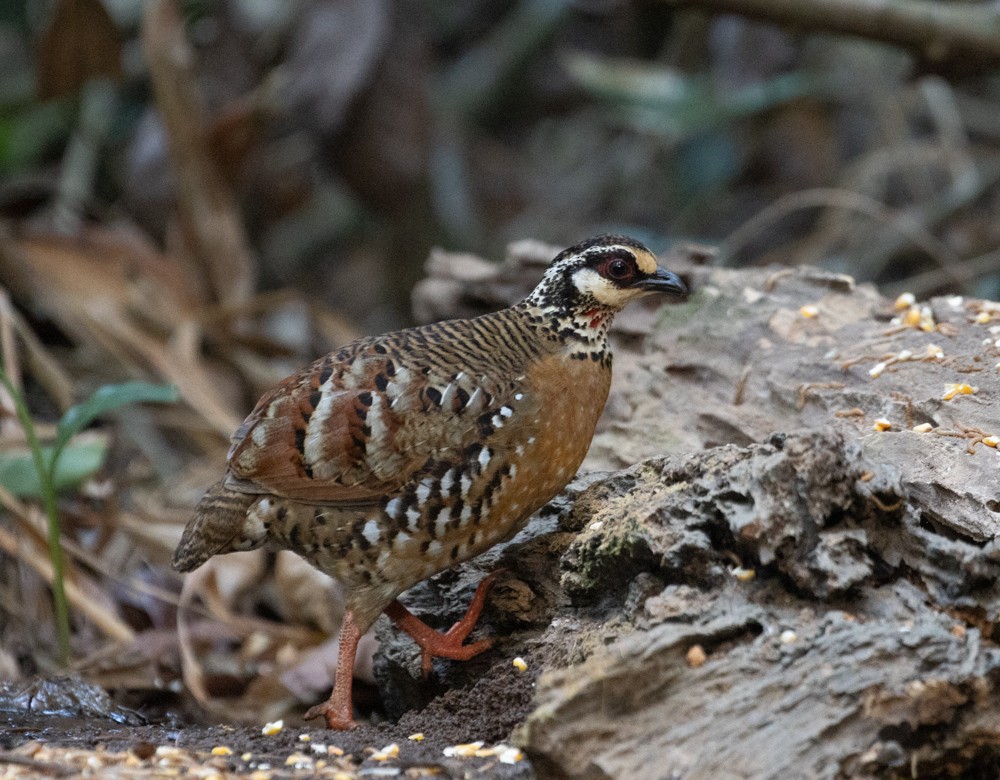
x=335, y=718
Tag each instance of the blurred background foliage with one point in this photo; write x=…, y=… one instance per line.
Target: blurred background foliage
x=210, y=193
x=356, y=135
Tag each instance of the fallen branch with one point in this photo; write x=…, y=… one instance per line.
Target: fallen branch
x=939, y=31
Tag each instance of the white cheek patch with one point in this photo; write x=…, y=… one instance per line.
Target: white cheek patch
x=587, y=280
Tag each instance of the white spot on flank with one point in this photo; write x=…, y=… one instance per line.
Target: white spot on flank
x=519, y=450
x=434, y=548
x=393, y=507
x=518, y=396
x=466, y=515
x=449, y=391
x=401, y=380
x=441, y=523
x=473, y=398
x=259, y=435
x=402, y=538
x=371, y=531
x=447, y=481
x=497, y=421
x=412, y=518
x=379, y=431
x=423, y=490
x=506, y=411
x=316, y=433
x=513, y=470
x=251, y=531
x=466, y=485
x=531, y=440
x=484, y=457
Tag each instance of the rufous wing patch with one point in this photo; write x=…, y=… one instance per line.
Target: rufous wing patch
x=314, y=440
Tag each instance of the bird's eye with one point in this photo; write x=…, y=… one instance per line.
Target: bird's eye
x=619, y=269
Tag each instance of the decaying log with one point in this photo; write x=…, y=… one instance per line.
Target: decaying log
x=790, y=580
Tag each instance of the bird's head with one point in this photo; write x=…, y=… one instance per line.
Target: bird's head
x=598, y=277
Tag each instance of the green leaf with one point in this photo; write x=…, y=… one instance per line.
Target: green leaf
x=79, y=460
x=104, y=400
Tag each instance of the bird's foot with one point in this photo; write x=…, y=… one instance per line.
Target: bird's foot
x=435, y=644
x=337, y=717
x=338, y=709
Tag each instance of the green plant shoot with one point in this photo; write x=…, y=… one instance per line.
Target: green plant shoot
x=50, y=479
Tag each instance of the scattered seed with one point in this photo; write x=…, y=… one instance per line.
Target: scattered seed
x=418, y=737
x=923, y=428
x=876, y=371
x=221, y=750
x=744, y=575
x=788, y=637
x=905, y=301
x=983, y=317
x=696, y=656
x=270, y=729
x=882, y=424
x=299, y=761
x=389, y=751
x=520, y=664
x=959, y=388
x=809, y=311
x=934, y=351
x=991, y=441
x=463, y=751
x=510, y=755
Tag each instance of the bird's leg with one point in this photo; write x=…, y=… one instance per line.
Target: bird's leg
x=339, y=709
x=434, y=644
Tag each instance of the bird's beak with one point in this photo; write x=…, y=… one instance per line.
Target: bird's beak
x=663, y=281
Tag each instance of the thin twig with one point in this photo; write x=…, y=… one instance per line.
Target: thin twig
x=831, y=197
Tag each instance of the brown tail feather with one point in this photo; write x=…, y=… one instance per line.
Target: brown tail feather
x=218, y=521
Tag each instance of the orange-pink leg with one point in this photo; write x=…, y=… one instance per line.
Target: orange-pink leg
x=434, y=644
x=339, y=709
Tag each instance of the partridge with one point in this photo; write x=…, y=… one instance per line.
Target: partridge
x=404, y=454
